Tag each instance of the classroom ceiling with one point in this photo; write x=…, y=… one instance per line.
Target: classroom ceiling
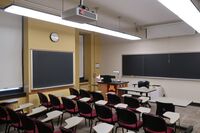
x=123, y=15
x=141, y=12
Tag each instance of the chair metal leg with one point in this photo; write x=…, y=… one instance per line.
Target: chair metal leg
x=9, y=129
x=18, y=130
x=113, y=130
x=52, y=124
x=91, y=126
x=96, y=122
x=116, y=129
x=61, y=120
x=58, y=121
x=85, y=122
x=6, y=127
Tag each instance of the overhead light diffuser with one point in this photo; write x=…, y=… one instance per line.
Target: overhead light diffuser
x=58, y=20
x=185, y=10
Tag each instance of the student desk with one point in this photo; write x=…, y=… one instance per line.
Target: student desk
x=145, y=90
x=9, y=101
x=103, y=128
x=175, y=101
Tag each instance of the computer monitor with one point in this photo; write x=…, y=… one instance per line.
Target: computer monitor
x=107, y=78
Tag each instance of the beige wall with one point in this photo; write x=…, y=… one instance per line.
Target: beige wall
x=111, y=60
x=36, y=37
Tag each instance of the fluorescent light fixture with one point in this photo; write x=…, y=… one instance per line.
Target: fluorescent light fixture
x=58, y=20
x=185, y=10
x=9, y=89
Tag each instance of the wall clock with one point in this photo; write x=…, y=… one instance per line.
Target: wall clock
x=54, y=37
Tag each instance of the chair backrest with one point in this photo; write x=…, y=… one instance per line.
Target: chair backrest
x=84, y=108
x=113, y=99
x=43, y=98
x=74, y=92
x=97, y=96
x=43, y=128
x=54, y=100
x=68, y=103
x=152, y=123
x=143, y=84
x=126, y=116
x=13, y=116
x=132, y=102
x=64, y=130
x=163, y=107
x=27, y=123
x=3, y=113
x=84, y=93
x=103, y=111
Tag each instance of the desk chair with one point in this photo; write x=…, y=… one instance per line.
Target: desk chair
x=44, y=100
x=84, y=93
x=113, y=99
x=74, y=92
x=161, y=108
x=86, y=111
x=56, y=105
x=44, y=128
x=127, y=119
x=28, y=124
x=97, y=96
x=155, y=124
x=4, y=117
x=69, y=106
x=104, y=114
x=15, y=120
x=132, y=103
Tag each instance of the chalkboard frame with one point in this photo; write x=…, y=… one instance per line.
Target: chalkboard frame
x=170, y=76
x=50, y=86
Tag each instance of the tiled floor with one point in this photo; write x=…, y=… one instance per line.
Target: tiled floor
x=189, y=116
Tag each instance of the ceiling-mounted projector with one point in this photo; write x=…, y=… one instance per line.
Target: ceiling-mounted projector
x=80, y=15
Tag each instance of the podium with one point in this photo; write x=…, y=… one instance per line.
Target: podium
x=105, y=87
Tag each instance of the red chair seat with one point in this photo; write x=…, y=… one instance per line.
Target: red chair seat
x=60, y=107
x=89, y=115
x=17, y=125
x=48, y=104
x=131, y=126
x=169, y=130
x=58, y=131
x=110, y=120
x=4, y=119
x=73, y=111
x=31, y=131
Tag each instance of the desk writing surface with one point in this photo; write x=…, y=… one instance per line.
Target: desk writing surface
x=52, y=115
x=23, y=106
x=136, y=89
x=73, y=121
x=175, y=101
x=173, y=116
x=101, y=102
x=103, y=128
x=37, y=110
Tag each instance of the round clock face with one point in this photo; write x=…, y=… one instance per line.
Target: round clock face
x=54, y=37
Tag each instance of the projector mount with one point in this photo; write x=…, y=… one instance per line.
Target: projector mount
x=83, y=6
